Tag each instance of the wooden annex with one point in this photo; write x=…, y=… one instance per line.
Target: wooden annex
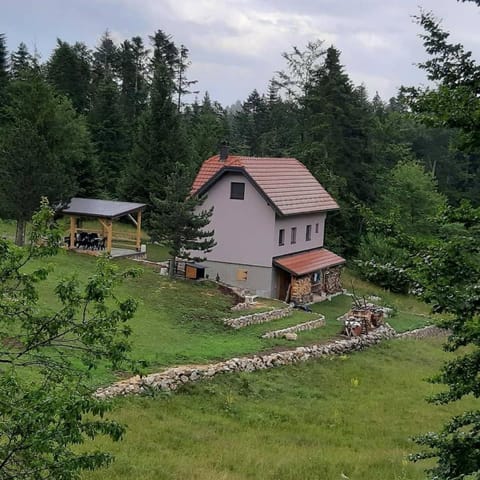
x=106, y=212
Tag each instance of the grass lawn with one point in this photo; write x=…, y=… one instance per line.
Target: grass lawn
x=7, y=229
x=179, y=322
x=352, y=415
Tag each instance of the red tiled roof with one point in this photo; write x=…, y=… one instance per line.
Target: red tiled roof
x=285, y=181
x=308, y=262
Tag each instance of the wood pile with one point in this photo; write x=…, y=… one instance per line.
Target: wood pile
x=362, y=318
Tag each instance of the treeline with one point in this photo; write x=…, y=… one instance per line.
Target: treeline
x=114, y=122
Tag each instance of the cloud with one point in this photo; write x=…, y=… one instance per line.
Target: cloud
x=242, y=40
x=378, y=40
x=373, y=41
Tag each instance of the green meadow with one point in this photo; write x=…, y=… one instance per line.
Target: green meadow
x=352, y=415
x=180, y=321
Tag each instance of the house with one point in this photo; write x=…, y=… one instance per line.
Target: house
x=269, y=221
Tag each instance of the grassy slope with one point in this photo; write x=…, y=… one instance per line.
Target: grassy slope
x=316, y=420
x=180, y=322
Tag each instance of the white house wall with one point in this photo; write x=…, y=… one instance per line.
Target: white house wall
x=300, y=222
x=243, y=228
x=258, y=279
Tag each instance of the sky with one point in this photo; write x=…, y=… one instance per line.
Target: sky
x=236, y=45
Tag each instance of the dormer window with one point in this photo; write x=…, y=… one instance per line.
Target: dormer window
x=237, y=191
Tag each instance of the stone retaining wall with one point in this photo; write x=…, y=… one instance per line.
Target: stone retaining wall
x=256, y=318
x=171, y=379
x=429, y=331
x=319, y=322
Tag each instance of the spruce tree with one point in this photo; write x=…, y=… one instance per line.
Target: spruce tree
x=109, y=136
x=105, y=60
x=20, y=61
x=250, y=125
x=69, y=71
x=208, y=125
x=178, y=222
x=182, y=84
x=132, y=73
x=161, y=140
x=3, y=67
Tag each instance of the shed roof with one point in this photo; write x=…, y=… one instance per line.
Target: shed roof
x=92, y=207
x=286, y=182
x=308, y=262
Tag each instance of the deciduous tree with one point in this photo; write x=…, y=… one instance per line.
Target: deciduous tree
x=47, y=408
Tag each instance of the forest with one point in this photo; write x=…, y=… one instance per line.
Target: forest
x=117, y=120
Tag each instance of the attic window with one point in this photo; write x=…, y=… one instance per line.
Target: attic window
x=237, y=191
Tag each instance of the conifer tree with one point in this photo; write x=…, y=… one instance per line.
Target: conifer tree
x=161, y=140
x=178, y=222
x=182, y=84
x=20, y=61
x=69, y=71
x=44, y=149
x=251, y=124
x=105, y=60
x=109, y=136
x=208, y=124
x=132, y=73
x=3, y=67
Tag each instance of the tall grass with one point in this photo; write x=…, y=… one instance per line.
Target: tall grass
x=348, y=415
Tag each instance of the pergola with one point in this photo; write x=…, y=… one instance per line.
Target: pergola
x=105, y=211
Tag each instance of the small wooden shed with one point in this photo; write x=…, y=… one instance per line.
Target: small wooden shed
x=106, y=212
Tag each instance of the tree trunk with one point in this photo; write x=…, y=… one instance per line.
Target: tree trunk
x=171, y=267
x=20, y=232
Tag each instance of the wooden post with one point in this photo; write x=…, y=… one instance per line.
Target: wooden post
x=109, y=224
x=73, y=230
x=139, y=230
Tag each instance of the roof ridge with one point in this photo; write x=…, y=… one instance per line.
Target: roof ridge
x=287, y=184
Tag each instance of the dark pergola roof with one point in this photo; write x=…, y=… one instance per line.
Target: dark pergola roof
x=91, y=207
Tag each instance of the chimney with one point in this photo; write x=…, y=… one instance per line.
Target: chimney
x=223, y=151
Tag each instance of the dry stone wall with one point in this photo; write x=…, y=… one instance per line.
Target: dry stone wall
x=429, y=331
x=173, y=378
x=317, y=323
x=255, y=318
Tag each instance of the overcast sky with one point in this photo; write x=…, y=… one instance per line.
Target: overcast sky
x=236, y=45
